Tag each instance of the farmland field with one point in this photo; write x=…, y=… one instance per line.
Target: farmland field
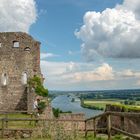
x=101, y=103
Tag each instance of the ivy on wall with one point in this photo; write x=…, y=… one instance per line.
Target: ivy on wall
x=36, y=83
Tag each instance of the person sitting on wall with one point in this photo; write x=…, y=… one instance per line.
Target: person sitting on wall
x=36, y=107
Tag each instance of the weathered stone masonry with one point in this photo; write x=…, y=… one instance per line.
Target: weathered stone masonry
x=19, y=60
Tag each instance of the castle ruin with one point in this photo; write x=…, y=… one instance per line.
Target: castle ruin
x=19, y=60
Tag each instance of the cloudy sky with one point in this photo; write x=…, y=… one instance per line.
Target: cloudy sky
x=85, y=45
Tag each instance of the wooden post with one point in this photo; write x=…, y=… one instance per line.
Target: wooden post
x=6, y=122
x=74, y=128
x=122, y=123
x=85, y=129
x=2, y=129
x=94, y=127
x=109, y=127
x=31, y=118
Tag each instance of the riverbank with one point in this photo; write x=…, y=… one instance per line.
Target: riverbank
x=64, y=103
x=91, y=106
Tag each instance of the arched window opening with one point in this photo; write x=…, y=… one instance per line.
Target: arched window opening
x=27, y=49
x=4, y=79
x=15, y=44
x=24, y=78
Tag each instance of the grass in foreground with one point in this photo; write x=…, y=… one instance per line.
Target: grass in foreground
x=90, y=137
x=58, y=135
x=18, y=124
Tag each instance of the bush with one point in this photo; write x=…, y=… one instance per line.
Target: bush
x=40, y=90
x=36, y=83
x=42, y=105
x=57, y=111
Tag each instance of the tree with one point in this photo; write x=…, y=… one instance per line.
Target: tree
x=126, y=102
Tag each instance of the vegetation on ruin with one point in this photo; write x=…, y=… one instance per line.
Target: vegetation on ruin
x=36, y=83
x=41, y=106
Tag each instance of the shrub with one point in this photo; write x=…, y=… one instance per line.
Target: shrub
x=56, y=112
x=42, y=105
x=36, y=83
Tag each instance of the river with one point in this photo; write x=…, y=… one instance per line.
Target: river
x=64, y=103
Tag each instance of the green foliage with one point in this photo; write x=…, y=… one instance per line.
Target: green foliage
x=40, y=90
x=130, y=102
x=111, y=94
x=118, y=137
x=57, y=111
x=126, y=102
x=36, y=83
x=42, y=105
x=33, y=82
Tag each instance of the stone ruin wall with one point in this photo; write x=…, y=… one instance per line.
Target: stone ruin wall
x=70, y=125
x=129, y=124
x=14, y=63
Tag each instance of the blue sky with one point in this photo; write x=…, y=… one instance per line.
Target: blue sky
x=57, y=22
x=85, y=44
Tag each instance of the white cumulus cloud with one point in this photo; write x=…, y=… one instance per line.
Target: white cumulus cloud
x=128, y=73
x=69, y=74
x=103, y=72
x=74, y=75
x=112, y=32
x=133, y=5
x=17, y=15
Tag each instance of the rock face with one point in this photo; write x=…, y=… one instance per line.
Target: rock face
x=19, y=60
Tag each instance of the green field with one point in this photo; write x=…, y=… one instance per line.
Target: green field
x=103, y=102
